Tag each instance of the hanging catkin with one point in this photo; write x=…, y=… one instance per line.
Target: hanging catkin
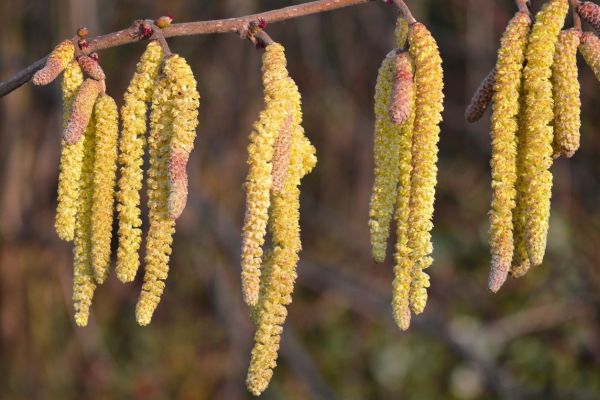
x=105, y=166
x=280, y=268
x=57, y=61
x=131, y=151
x=590, y=12
x=538, y=114
x=590, y=49
x=565, y=87
x=403, y=265
x=505, y=109
x=429, y=105
x=259, y=179
x=386, y=148
x=84, y=283
x=70, y=161
x=83, y=106
x=482, y=98
x=171, y=118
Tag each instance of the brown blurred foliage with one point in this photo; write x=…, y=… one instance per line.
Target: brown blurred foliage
x=538, y=338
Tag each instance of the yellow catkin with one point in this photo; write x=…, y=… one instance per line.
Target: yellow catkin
x=105, y=167
x=386, y=147
x=505, y=109
x=57, y=61
x=160, y=233
x=84, y=283
x=401, y=32
x=403, y=264
x=259, y=179
x=280, y=268
x=131, y=151
x=186, y=101
x=538, y=114
x=565, y=88
x=70, y=161
x=429, y=105
x=520, y=263
x=590, y=49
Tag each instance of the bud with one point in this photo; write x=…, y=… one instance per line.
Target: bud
x=482, y=98
x=83, y=32
x=164, y=21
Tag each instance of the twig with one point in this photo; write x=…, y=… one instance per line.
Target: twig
x=405, y=11
x=576, y=17
x=160, y=37
x=523, y=5
x=230, y=25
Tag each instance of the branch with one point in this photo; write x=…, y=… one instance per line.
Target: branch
x=576, y=17
x=230, y=25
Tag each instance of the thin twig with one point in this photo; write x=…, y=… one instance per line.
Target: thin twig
x=158, y=35
x=405, y=11
x=576, y=17
x=523, y=5
x=230, y=25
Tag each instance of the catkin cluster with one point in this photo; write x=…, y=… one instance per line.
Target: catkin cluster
x=88, y=170
x=408, y=106
x=279, y=155
x=535, y=118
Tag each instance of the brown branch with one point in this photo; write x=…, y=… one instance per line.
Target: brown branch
x=405, y=11
x=230, y=25
x=523, y=5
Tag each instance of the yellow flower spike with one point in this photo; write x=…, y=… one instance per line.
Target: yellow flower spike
x=83, y=106
x=386, y=147
x=401, y=32
x=84, y=283
x=505, y=110
x=565, y=87
x=403, y=264
x=105, y=168
x=57, y=61
x=259, y=179
x=160, y=234
x=429, y=105
x=185, y=109
x=131, y=151
x=590, y=49
x=70, y=161
x=520, y=263
x=279, y=267
x=538, y=114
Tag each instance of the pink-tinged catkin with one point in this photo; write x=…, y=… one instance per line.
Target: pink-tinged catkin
x=91, y=68
x=481, y=99
x=178, y=183
x=590, y=49
x=83, y=105
x=57, y=61
x=590, y=12
x=281, y=155
x=402, y=89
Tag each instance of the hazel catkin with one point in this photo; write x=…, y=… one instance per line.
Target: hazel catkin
x=590, y=49
x=429, y=105
x=91, y=67
x=105, y=165
x=565, y=87
x=481, y=98
x=538, y=114
x=70, y=161
x=259, y=180
x=386, y=147
x=590, y=13
x=132, y=144
x=83, y=106
x=57, y=61
x=503, y=163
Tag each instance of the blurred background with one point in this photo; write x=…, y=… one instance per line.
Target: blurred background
x=538, y=338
